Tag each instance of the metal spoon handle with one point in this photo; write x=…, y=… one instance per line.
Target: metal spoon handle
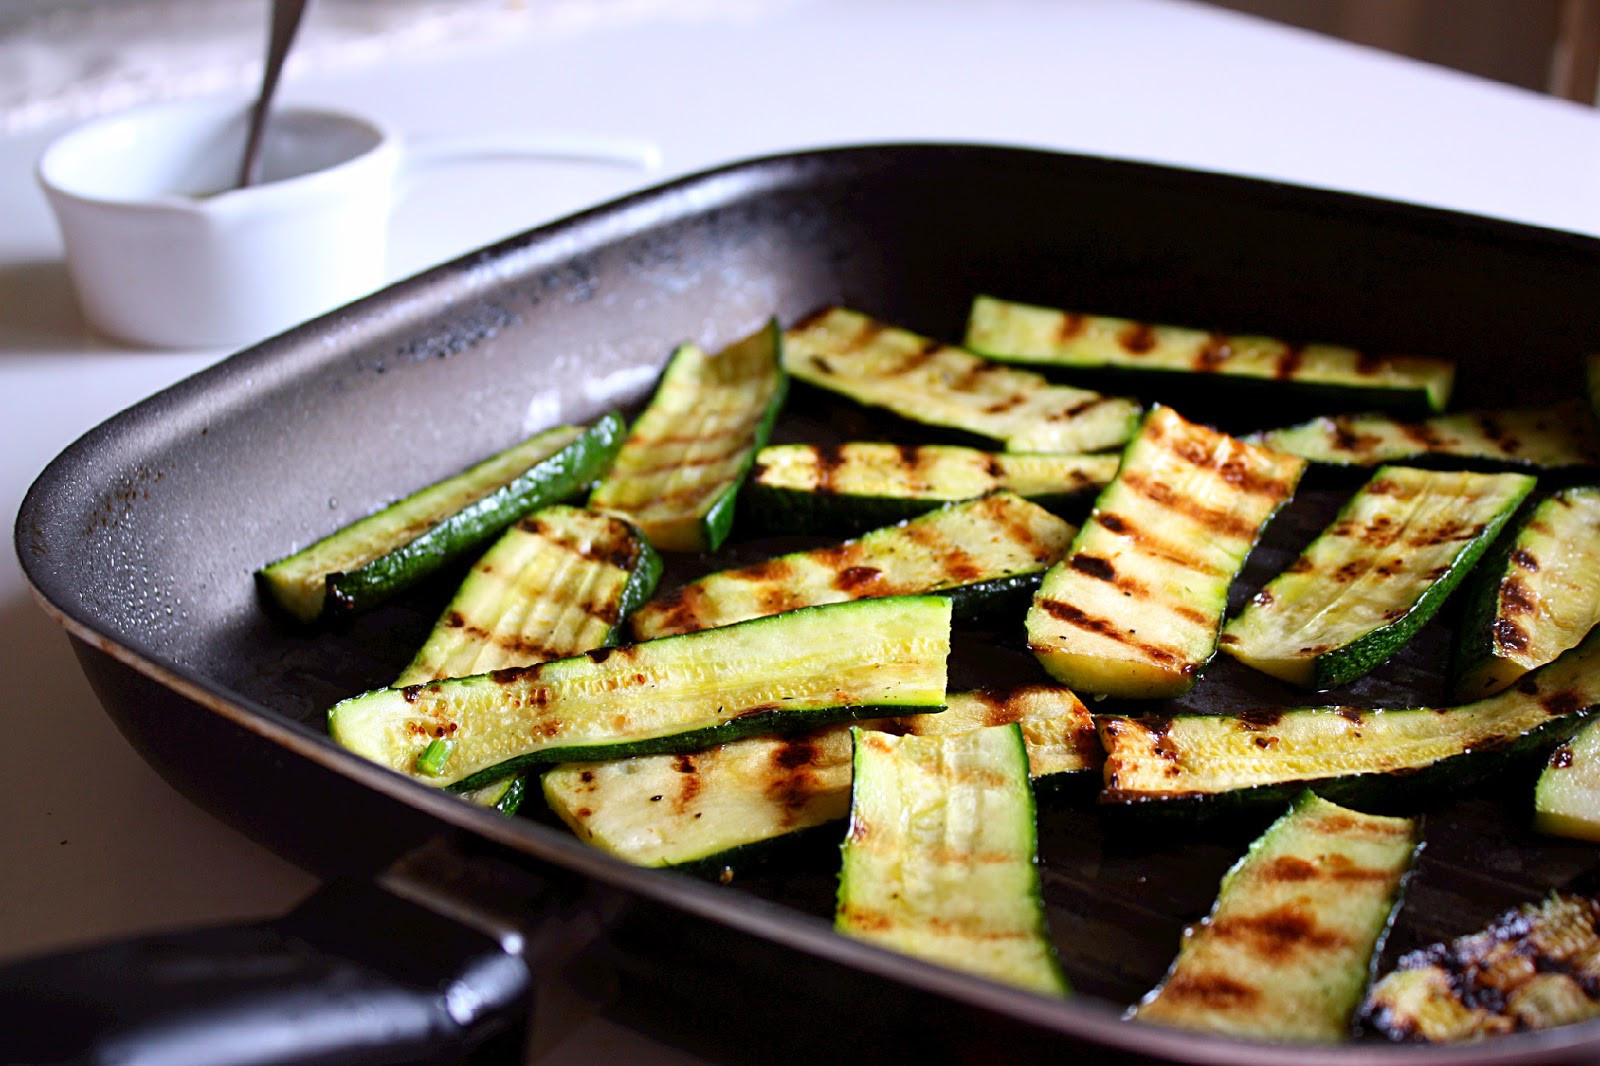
x=285, y=23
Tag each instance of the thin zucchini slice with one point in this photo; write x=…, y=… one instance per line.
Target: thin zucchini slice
x=1533, y=597
x=1349, y=753
x=1134, y=608
x=1362, y=589
x=939, y=385
x=786, y=673
x=853, y=487
x=940, y=858
x=1146, y=354
x=707, y=807
x=1566, y=801
x=1535, y=967
x=1287, y=951
x=1543, y=439
x=678, y=474
x=982, y=553
x=372, y=559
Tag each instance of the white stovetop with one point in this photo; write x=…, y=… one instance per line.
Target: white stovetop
x=97, y=845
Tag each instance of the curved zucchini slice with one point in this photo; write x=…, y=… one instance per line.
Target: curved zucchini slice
x=1543, y=439
x=789, y=672
x=1534, y=597
x=1134, y=608
x=939, y=385
x=1566, y=801
x=678, y=474
x=1348, y=753
x=981, y=553
x=1341, y=377
x=1535, y=967
x=820, y=488
x=940, y=858
x=372, y=559
x=1362, y=589
x=1287, y=951
x=705, y=807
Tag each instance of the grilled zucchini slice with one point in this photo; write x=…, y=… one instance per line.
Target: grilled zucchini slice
x=1534, y=597
x=1362, y=589
x=781, y=674
x=1134, y=608
x=1542, y=439
x=853, y=487
x=678, y=474
x=372, y=559
x=939, y=861
x=1349, y=753
x=939, y=385
x=1149, y=355
x=982, y=553
x=1535, y=967
x=707, y=808
x=1286, y=953
x=1566, y=801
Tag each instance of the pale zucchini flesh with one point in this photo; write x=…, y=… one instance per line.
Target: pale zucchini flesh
x=1134, y=608
x=940, y=857
x=940, y=385
x=973, y=551
x=803, y=669
x=1543, y=438
x=1286, y=953
x=1371, y=579
x=678, y=474
x=1566, y=800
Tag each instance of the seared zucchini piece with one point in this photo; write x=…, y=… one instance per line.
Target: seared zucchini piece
x=1134, y=608
x=790, y=672
x=939, y=385
x=1535, y=596
x=1286, y=953
x=982, y=553
x=817, y=488
x=703, y=807
x=679, y=471
x=1362, y=589
x=940, y=858
x=1535, y=967
x=1347, y=752
x=1566, y=801
x=371, y=559
x=1346, y=378
x=1544, y=439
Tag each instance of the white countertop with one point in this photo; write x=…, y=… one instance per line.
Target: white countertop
x=97, y=845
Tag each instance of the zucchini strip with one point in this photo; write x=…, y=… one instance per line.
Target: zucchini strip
x=1354, y=752
x=981, y=553
x=940, y=858
x=1534, y=597
x=1544, y=439
x=853, y=487
x=1287, y=951
x=1044, y=337
x=1362, y=589
x=1134, y=608
x=1566, y=800
x=705, y=807
x=1535, y=967
x=939, y=385
x=789, y=672
x=372, y=559
x=678, y=474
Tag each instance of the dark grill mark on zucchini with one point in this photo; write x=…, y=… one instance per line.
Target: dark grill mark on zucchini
x=1137, y=339
x=1218, y=522
x=1213, y=355
x=1094, y=566
x=1213, y=991
x=1523, y=558
x=1072, y=324
x=1160, y=548
x=1073, y=616
x=854, y=578
x=1279, y=933
x=1292, y=356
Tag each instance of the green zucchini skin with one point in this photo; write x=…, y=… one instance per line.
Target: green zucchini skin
x=307, y=590
x=1288, y=949
x=1544, y=440
x=864, y=659
x=1148, y=359
x=1566, y=799
x=1363, y=588
x=727, y=403
x=940, y=861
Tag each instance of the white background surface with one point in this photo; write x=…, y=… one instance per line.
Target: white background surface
x=97, y=845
